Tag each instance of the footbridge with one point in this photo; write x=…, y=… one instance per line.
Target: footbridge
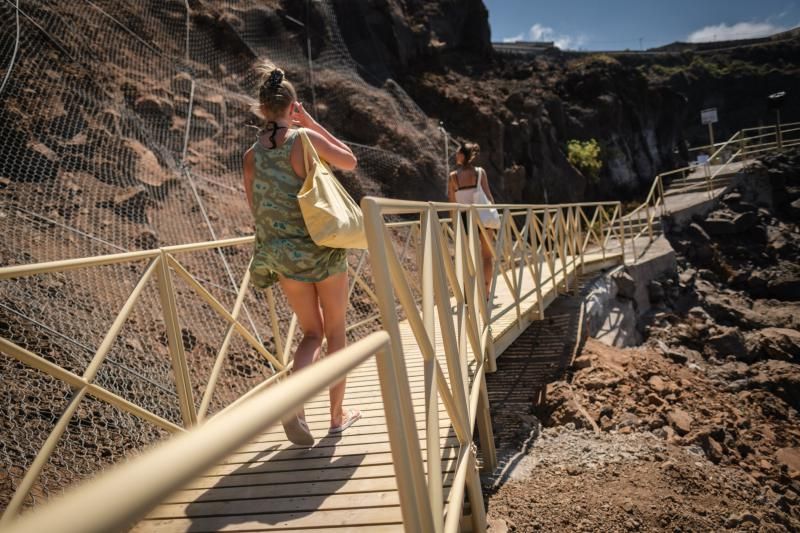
x=424, y=333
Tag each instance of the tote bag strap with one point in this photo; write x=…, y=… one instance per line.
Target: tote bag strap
x=309, y=152
x=479, y=173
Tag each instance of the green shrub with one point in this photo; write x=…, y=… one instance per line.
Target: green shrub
x=585, y=156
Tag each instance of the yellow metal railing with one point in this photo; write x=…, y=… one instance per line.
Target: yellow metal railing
x=118, y=498
x=164, y=266
x=551, y=243
x=426, y=270
x=743, y=145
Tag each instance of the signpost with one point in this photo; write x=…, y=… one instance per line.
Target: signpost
x=775, y=102
x=709, y=116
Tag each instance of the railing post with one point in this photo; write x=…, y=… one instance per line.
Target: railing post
x=475, y=494
x=537, y=261
x=600, y=218
x=461, y=274
x=552, y=250
x=741, y=143
x=415, y=505
x=579, y=236
x=433, y=451
x=562, y=246
x=175, y=341
x=485, y=432
x=573, y=248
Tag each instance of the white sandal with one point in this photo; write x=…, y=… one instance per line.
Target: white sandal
x=351, y=417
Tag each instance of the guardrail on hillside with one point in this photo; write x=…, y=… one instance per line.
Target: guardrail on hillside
x=164, y=267
x=431, y=264
x=430, y=259
x=544, y=240
x=118, y=498
x=743, y=145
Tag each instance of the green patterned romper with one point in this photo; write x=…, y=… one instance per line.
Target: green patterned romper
x=283, y=245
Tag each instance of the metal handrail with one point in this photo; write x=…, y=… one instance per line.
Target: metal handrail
x=533, y=238
x=654, y=206
x=164, y=266
x=453, y=312
x=123, y=495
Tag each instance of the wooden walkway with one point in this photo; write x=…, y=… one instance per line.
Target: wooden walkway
x=345, y=481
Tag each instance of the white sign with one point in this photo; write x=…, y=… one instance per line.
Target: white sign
x=708, y=116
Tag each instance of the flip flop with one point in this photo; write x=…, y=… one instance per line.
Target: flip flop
x=297, y=431
x=350, y=418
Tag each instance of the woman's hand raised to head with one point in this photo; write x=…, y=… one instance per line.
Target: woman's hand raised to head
x=300, y=116
x=331, y=149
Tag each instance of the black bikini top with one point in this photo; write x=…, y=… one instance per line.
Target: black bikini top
x=474, y=185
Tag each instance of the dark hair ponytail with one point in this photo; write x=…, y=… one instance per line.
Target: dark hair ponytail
x=275, y=92
x=470, y=152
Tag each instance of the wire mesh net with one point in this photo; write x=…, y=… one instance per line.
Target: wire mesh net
x=122, y=127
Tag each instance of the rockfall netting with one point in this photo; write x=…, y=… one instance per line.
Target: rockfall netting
x=122, y=128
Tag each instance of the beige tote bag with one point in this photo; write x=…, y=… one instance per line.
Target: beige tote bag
x=332, y=217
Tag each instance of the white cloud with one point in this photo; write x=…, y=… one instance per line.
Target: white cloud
x=740, y=30
x=517, y=37
x=540, y=32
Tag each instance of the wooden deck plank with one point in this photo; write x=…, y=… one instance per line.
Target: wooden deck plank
x=326, y=502
x=285, y=478
x=351, y=460
x=350, y=486
x=376, y=436
x=370, y=425
x=344, y=482
x=291, y=453
x=322, y=502
x=372, y=516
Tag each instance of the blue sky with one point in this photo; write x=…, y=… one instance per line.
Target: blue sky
x=620, y=24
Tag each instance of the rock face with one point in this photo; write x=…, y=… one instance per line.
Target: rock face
x=775, y=343
x=523, y=111
x=735, y=298
x=389, y=37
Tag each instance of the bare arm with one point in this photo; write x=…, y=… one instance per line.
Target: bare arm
x=339, y=155
x=249, y=174
x=451, y=188
x=328, y=147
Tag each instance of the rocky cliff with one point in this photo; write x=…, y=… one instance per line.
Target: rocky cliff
x=643, y=109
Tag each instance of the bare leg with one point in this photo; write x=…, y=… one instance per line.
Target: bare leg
x=304, y=302
x=332, y=294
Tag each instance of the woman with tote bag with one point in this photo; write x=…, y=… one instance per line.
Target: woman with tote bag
x=313, y=277
x=468, y=184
